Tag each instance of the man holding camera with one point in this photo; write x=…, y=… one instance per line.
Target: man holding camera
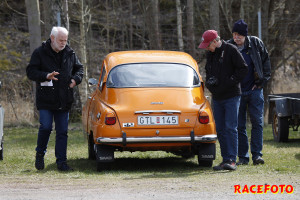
x=225, y=69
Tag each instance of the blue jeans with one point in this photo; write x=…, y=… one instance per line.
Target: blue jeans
x=61, y=127
x=253, y=101
x=226, y=118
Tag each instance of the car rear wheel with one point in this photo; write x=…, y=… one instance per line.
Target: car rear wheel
x=92, y=154
x=280, y=126
x=1, y=151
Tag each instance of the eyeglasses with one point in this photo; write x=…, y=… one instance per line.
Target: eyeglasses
x=236, y=35
x=210, y=44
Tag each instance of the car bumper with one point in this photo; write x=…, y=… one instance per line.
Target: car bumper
x=124, y=140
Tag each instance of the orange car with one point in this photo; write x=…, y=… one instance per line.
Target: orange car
x=149, y=101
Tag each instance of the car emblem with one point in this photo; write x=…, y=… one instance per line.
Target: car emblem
x=159, y=103
x=157, y=132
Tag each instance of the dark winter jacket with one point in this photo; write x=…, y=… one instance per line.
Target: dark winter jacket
x=229, y=68
x=260, y=58
x=43, y=61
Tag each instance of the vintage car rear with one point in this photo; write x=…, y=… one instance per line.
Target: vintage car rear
x=148, y=101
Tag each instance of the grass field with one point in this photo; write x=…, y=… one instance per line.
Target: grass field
x=282, y=164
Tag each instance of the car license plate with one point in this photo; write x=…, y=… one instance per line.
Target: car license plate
x=157, y=120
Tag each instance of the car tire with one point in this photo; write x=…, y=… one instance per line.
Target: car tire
x=91, y=150
x=1, y=151
x=280, y=126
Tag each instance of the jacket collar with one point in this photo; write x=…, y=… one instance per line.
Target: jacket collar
x=247, y=42
x=218, y=50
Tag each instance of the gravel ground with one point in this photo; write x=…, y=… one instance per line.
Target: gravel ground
x=210, y=185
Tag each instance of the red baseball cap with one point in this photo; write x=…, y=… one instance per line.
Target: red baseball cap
x=207, y=37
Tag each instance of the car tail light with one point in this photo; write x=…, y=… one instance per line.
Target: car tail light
x=203, y=117
x=110, y=120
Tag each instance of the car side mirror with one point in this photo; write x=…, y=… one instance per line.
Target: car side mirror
x=92, y=81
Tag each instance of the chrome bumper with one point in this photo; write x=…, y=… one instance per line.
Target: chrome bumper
x=126, y=140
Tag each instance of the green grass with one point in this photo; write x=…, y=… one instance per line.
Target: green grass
x=19, y=156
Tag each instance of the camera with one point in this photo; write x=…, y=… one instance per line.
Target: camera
x=212, y=81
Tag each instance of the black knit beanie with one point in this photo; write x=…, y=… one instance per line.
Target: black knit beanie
x=240, y=27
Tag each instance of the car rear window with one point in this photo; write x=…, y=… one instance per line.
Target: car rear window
x=152, y=75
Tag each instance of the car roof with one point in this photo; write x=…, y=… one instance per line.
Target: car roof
x=139, y=56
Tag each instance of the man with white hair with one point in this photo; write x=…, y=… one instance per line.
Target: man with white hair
x=56, y=70
x=252, y=100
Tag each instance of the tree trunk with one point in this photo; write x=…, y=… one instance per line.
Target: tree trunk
x=277, y=39
x=152, y=10
x=236, y=9
x=155, y=11
x=190, y=28
x=66, y=14
x=264, y=19
x=107, y=27
x=33, y=13
x=46, y=15
x=51, y=11
x=130, y=25
x=214, y=15
x=226, y=20
x=83, y=87
x=179, y=25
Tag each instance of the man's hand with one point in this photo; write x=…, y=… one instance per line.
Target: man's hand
x=51, y=76
x=255, y=86
x=72, y=84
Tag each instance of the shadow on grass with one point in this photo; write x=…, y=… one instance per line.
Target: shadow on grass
x=290, y=143
x=297, y=156
x=154, y=167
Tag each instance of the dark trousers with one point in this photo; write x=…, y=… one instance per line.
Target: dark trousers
x=61, y=127
x=226, y=118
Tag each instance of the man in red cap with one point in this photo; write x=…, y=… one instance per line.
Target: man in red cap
x=225, y=69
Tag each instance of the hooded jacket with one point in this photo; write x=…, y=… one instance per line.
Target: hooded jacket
x=58, y=95
x=260, y=58
x=228, y=66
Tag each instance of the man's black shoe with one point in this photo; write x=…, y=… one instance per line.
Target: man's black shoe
x=258, y=161
x=219, y=167
x=39, y=161
x=64, y=167
x=242, y=162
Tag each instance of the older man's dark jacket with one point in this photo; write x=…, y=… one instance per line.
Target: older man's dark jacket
x=228, y=66
x=43, y=61
x=260, y=58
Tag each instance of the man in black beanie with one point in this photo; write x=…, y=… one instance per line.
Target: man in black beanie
x=259, y=72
